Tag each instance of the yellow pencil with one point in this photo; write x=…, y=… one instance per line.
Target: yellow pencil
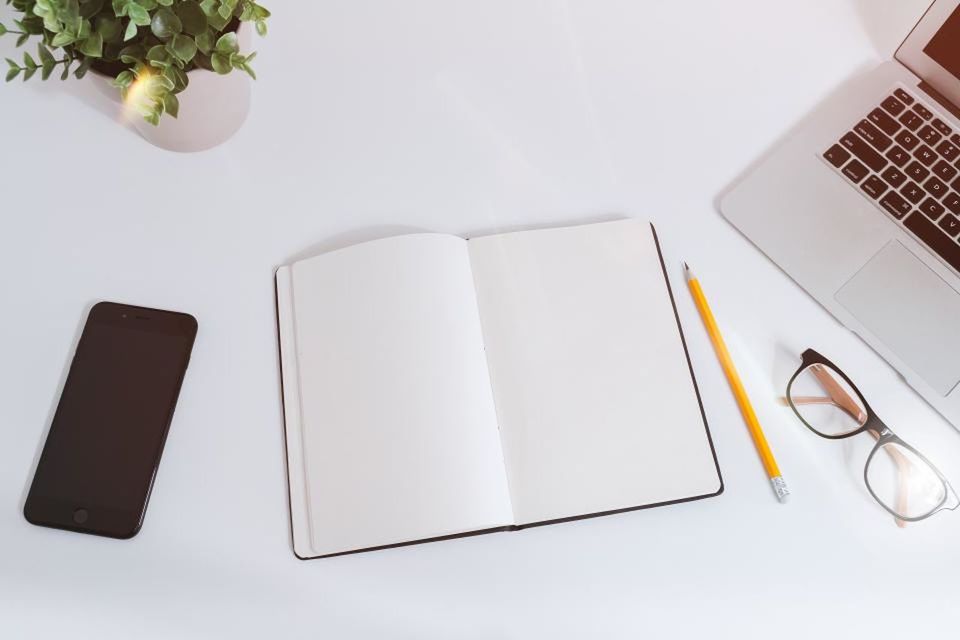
x=769, y=463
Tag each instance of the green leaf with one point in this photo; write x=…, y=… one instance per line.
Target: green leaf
x=165, y=24
x=192, y=17
x=66, y=70
x=183, y=47
x=22, y=38
x=109, y=28
x=157, y=53
x=262, y=27
x=171, y=104
x=228, y=44
x=3, y=29
x=45, y=56
x=131, y=31
x=91, y=8
x=85, y=65
x=12, y=64
x=13, y=73
x=138, y=15
x=124, y=79
x=92, y=47
x=163, y=83
x=28, y=73
x=132, y=54
x=62, y=39
x=28, y=61
x=206, y=43
x=221, y=64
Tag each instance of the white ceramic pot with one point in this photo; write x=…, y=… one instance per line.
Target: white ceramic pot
x=212, y=109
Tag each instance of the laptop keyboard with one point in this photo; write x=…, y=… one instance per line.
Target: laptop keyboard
x=906, y=160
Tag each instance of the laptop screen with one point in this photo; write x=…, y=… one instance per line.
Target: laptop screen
x=944, y=48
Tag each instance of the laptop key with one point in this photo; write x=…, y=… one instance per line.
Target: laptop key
x=879, y=140
x=952, y=203
x=904, y=97
x=945, y=170
x=894, y=177
x=898, y=156
x=913, y=192
x=951, y=225
x=896, y=205
x=907, y=140
x=917, y=171
x=949, y=151
x=855, y=144
x=931, y=235
x=836, y=155
x=955, y=139
x=887, y=124
x=923, y=112
x=925, y=154
x=855, y=171
x=935, y=188
x=929, y=135
x=910, y=120
x=893, y=106
x=931, y=208
x=942, y=127
x=874, y=187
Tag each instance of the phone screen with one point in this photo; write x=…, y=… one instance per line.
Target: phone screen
x=103, y=449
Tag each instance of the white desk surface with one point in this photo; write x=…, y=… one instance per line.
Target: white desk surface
x=463, y=117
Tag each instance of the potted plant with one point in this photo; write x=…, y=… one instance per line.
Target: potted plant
x=151, y=50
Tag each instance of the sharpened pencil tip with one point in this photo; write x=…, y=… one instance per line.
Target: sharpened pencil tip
x=780, y=488
x=686, y=267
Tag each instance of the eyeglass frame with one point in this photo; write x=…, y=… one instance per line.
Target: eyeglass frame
x=876, y=428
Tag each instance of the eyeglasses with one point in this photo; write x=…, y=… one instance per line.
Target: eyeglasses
x=902, y=480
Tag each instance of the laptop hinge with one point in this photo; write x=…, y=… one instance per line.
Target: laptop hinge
x=936, y=95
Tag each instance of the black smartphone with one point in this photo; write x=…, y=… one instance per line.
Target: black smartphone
x=103, y=449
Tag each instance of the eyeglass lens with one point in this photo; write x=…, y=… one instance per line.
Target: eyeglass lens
x=824, y=400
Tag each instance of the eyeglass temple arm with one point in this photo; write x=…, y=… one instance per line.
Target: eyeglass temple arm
x=840, y=398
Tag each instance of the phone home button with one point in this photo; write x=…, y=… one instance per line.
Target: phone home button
x=80, y=516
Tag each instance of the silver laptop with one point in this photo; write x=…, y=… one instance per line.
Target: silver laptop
x=861, y=206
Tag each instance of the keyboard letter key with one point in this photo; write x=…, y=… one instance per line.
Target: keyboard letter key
x=952, y=202
x=932, y=209
x=898, y=156
x=913, y=192
x=951, y=225
x=907, y=140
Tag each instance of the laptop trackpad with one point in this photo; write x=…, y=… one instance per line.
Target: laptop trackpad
x=912, y=310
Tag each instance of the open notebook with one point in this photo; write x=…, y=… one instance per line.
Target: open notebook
x=437, y=387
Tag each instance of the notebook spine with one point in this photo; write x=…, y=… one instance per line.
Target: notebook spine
x=292, y=419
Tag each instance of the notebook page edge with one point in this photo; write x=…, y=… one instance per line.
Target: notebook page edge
x=293, y=427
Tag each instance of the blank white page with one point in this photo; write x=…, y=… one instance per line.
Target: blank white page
x=399, y=432
x=594, y=393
